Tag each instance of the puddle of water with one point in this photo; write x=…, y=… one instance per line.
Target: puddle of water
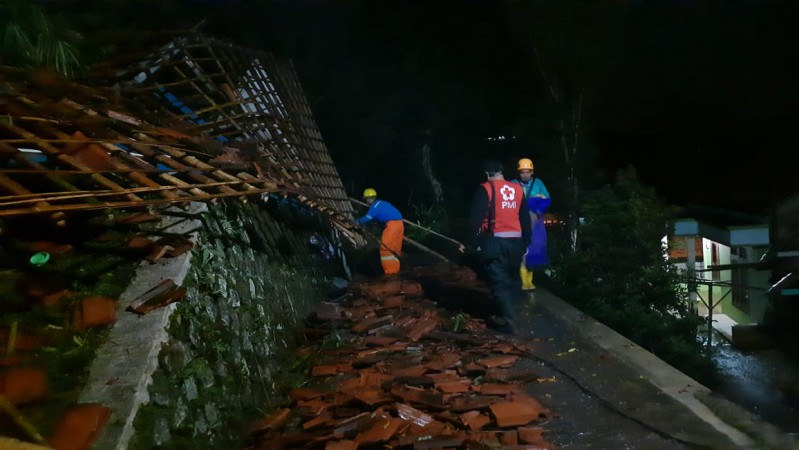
x=764, y=382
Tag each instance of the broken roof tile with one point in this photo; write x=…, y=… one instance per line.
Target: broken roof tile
x=469, y=403
x=310, y=408
x=419, y=396
x=411, y=288
x=322, y=419
x=423, y=381
x=341, y=445
x=498, y=361
x=94, y=311
x=372, y=396
x=360, y=312
x=475, y=420
x=328, y=311
x=531, y=435
x=510, y=375
x=472, y=369
x=395, y=301
x=305, y=394
x=371, y=323
x=382, y=429
x=379, y=341
x=413, y=371
x=444, y=361
x=439, y=442
x=274, y=421
x=454, y=386
x=351, y=426
x=434, y=428
x=81, y=425
x=509, y=437
x=413, y=415
x=23, y=385
x=350, y=384
x=344, y=368
x=324, y=370
x=497, y=389
x=383, y=288
x=373, y=378
x=514, y=413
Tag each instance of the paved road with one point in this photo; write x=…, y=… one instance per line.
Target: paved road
x=607, y=396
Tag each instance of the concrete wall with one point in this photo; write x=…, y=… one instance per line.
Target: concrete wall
x=228, y=346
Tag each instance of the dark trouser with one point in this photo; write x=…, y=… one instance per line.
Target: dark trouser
x=502, y=274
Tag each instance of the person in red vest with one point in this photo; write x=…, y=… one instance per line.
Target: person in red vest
x=499, y=228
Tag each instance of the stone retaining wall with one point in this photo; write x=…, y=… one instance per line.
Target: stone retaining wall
x=227, y=351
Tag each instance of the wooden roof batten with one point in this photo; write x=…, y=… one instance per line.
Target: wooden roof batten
x=197, y=120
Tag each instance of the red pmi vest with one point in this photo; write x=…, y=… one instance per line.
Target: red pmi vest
x=510, y=196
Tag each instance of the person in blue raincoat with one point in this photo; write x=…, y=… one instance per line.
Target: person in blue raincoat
x=538, y=200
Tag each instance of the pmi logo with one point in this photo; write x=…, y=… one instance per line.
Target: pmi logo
x=508, y=193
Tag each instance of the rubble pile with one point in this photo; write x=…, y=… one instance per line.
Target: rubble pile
x=406, y=376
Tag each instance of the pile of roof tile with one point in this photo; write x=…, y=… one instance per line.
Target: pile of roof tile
x=408, y=378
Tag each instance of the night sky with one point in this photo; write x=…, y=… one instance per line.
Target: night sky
x=699, y=96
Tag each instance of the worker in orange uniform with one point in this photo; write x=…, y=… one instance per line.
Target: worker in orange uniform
x=391, y=242
x=538, y=200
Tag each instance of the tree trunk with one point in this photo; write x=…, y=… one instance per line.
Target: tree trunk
x=427, y=167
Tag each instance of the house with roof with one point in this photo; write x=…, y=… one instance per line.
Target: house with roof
x=721, y=252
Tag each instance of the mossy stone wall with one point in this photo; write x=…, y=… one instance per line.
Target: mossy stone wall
x=253, y=278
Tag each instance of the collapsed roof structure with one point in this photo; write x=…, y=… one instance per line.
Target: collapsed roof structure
x=196, y=120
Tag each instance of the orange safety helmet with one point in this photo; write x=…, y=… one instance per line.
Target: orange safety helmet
x=524, y=164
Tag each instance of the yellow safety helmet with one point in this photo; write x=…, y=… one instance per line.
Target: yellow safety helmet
x=369, y=192
x=525, y=164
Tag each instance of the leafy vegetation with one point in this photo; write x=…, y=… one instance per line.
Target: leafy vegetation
x=431, y=217
x=621, y=277
x=33, y=39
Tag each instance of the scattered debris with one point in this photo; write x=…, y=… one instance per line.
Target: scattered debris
x=162, y=294
x=401, y=379
x=94, y=311
x=80, y=427
x=24, y=385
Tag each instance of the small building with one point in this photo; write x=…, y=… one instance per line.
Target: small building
x=721, y=251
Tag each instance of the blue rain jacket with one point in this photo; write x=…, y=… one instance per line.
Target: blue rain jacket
x=534, y=187
x=536, y=255
x=381, y=211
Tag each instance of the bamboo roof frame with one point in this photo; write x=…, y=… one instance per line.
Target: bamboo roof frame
x=244, y=130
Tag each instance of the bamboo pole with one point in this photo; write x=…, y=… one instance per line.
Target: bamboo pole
x=426, y=249
x=20, y=158
x=192, y=161
x=143, y=190
x=131, y=204
x=89, y=172
x=13, y=186
x=54, y=152
x=136, y=177
x=435, y=233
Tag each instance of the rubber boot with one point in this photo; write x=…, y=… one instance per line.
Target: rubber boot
x=527, y=278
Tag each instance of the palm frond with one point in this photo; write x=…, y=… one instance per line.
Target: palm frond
x=32, y=39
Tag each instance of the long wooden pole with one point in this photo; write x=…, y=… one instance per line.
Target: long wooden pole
x=410, y=241
x=447, y=238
